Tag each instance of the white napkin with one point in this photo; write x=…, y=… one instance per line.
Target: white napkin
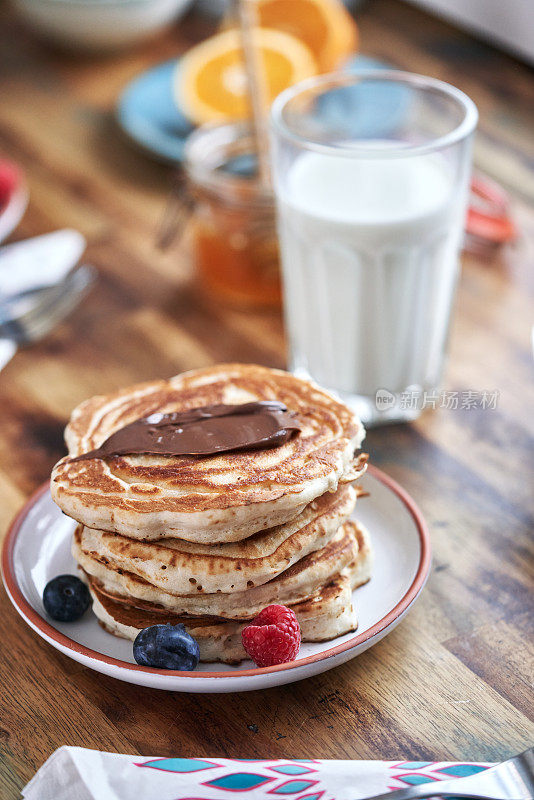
x=74, y=772
x=39, y=262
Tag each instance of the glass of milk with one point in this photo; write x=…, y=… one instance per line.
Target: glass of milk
x=371, y=174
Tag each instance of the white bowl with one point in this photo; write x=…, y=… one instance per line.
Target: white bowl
x=99, y=25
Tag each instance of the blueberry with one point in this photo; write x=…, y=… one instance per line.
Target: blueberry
x=167, y=647
x=66, y=598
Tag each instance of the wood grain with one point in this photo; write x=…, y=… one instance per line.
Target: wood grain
x=454, y=681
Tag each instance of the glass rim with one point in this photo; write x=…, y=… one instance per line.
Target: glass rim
x=211, y=145
x=338, y=79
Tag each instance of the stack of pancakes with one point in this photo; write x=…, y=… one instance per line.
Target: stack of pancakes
x=209, y=541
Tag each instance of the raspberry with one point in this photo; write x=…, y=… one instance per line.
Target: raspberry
x=9, y=178
x=273, y=637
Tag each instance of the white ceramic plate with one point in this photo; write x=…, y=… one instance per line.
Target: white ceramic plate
x=37, y=548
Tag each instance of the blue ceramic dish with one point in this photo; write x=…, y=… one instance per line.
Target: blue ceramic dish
x=148, y=114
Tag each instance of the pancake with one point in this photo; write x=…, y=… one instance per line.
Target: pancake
x=181, y=567
x=218, y=498
x=326, y=615
x=350, y=545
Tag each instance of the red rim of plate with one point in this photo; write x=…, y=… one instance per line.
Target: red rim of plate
x=26, y=610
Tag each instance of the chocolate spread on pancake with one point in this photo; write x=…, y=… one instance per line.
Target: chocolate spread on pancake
x=202, y=431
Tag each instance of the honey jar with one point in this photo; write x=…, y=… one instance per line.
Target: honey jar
x=232, y=224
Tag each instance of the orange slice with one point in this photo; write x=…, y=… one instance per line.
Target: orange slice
x=324, y=25
x=210, y=82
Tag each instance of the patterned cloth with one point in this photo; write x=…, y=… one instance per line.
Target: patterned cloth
x=73, y=772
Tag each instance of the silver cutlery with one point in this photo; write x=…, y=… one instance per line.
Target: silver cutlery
x=511, y=780
x=28, y=317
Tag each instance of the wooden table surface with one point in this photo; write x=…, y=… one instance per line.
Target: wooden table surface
x=454, y=680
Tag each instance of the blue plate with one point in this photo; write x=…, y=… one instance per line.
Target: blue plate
x=148, y=114
x=147, y=111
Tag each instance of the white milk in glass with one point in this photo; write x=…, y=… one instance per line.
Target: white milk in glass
x=369, y=253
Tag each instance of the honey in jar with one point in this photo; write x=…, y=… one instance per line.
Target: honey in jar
x=233, y=236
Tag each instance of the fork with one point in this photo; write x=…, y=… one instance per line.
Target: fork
x=25, y=319
x=511, y=780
